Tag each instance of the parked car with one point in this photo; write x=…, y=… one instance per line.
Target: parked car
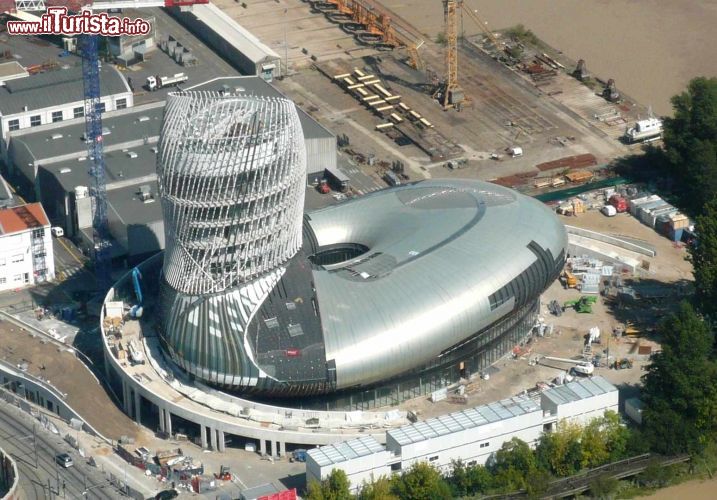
x=57, y=231
x=64, y=460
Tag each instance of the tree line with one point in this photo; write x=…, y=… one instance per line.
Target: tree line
x=679, y=388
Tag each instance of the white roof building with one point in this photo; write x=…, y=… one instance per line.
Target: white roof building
x=472, y=435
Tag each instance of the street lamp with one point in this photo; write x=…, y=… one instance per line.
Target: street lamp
x=286, y=46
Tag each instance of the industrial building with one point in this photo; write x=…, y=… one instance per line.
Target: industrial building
x=26, y=253
x=472, y=435
x=50, y=161
x=230, y=40
x=55, y=96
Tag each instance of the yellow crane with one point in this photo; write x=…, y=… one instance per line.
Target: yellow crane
x=450, y=94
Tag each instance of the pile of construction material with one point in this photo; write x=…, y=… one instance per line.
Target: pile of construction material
x=589, y=272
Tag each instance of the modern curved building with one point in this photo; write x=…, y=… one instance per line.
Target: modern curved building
x=425, y=282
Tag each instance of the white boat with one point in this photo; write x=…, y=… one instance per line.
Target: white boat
x=644, y=130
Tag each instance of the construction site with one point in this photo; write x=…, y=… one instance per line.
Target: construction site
x=488, y=106
x=467, y=105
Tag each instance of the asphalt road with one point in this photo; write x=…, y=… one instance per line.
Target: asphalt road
x=16, y=438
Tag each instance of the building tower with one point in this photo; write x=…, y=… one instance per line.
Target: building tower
x=231, y=173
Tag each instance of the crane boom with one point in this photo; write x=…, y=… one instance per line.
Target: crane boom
x=481, y=24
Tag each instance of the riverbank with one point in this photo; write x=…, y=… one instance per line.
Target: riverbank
x=697, y=489
x=652, y=48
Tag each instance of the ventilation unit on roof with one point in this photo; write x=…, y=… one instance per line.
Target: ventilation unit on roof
x=65, y=170
x=143, y=119
x=153, y=149
x=145, y=194
x=132, y=154
x=54, y=137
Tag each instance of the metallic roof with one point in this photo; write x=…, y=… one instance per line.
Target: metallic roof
x=578, y=390
x=462, y=420
x=438, y=249
x=56, y=88
x=345, y=451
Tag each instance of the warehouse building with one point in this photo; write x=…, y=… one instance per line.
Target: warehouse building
x=472, y=436
x=56, y=96
x=230, y=40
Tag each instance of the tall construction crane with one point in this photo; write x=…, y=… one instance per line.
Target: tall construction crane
x=449, y=93
x=93, y=117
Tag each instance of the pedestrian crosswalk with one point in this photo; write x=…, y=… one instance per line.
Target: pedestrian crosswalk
x=368, y=190
x=68, y=272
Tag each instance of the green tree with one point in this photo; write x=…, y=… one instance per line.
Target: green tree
x=604, y=487
x=679, y=387
x=704, y=260
x=537, y=483
x=377, y=490
x=421, y=482
x=560, y=451
x=335, y=487
x=691, y=141
x=514, y=461
x=469, y=480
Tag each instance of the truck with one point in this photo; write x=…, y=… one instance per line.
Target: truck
x=157, y=82
x=620, y=203
x=391, y=178
x=337, y=179
x=644, y=130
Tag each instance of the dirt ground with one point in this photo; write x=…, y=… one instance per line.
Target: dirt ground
x=513, y=375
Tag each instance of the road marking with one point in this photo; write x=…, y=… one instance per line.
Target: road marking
x=70, y=251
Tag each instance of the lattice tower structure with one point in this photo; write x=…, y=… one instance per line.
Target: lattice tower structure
x=231, y=173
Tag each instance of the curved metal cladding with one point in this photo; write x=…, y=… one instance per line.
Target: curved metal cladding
x=231, y=172
x=446, y=261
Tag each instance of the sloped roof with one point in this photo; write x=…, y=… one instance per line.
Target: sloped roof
x=22, y=218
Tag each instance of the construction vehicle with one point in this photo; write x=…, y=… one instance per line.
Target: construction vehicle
x=137, y=309
x=583, y=305
x=585, y=368
x=158, y=82
x=224, y=473
x=298, y=456
x=568, y=279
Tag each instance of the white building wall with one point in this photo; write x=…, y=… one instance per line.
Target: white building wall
x=584, y=410
x=16, y=262
x=360, y=470
x=471, y=445
x=66, y=109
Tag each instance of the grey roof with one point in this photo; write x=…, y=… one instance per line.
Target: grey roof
x=578, y=390
x=55, y=88
x=126, y=204
x=233, y=33
x=347, y=450
x=120, y=169
x=462, y=420
x=255, y=85
x=439, y=252
x=124, y=126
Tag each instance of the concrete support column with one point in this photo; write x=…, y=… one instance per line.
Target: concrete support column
x=262, y=446
x=203, y=435
x=220, y=440
x=213, y=435
x=168, y=422
x=137, y=407
x=125, y=397
x=274, y=449
x=282, y=448
x=161, y=418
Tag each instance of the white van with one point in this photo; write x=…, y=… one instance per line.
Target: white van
x=57, y=232
x=609, y=211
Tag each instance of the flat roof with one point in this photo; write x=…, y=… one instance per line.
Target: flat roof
x=124, y=126
x=12, y=69
x=347, y=450
x=579, y=390
x=254, y=85
x=22, y=218
x=56, y=88
x=130, y=209
x=233, y=33
x=120, y=169
x=471, y=418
